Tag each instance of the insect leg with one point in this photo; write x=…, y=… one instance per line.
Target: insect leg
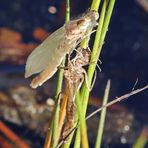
x=86, y=80
x=96, y=64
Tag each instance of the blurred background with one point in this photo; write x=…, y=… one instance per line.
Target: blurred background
x=26, y=112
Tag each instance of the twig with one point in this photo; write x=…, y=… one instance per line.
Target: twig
x=118, y=99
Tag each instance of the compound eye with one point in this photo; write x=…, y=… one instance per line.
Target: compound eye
x=80, y=22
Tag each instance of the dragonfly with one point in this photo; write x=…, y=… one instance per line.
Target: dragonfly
x=47, y=57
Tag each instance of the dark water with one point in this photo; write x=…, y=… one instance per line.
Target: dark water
x=125, y=53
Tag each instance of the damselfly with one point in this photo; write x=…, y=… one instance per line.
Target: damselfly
x=48, y=55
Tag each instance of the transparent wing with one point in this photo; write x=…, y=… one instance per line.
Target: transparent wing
x=40, y=57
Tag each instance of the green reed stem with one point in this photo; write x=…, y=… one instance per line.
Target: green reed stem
x=102, y=117
x=104, y=20
x=94, y=59
x=59, y=87
x=78, y=138
x=78, y=131
x=141, y=140
x=95, y=5
x=82, y=124
x=99, y=40
x=67, y=16
x=81, y=133
x=85, y=90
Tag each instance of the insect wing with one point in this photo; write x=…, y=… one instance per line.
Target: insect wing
x=40, y=57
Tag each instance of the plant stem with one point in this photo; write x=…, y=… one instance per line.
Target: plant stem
x=94, y=59
x=78, y=132
x=59, y=88
x=102, y=116
x=95, y=5
x=82, y=122
x=67, y=16
x=107, y=20
x=55, y=123
x=142, y=139
x=78, y=138
x=99, y=40
x=82, y=126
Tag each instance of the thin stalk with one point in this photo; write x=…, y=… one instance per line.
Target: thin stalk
x=67, y=16
x=57, y=109
x=78, y=138
x=142, y=139
x=99, y=40
x=82, y=123
x=81, y=133
x=102, y=117
x=93, y=60
x=95, y=5
x=59, y=88
x=55, y=124
x=141, y=142
x=91, y=69
x=107, y=20
x=48, y=138
x=78, y=131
